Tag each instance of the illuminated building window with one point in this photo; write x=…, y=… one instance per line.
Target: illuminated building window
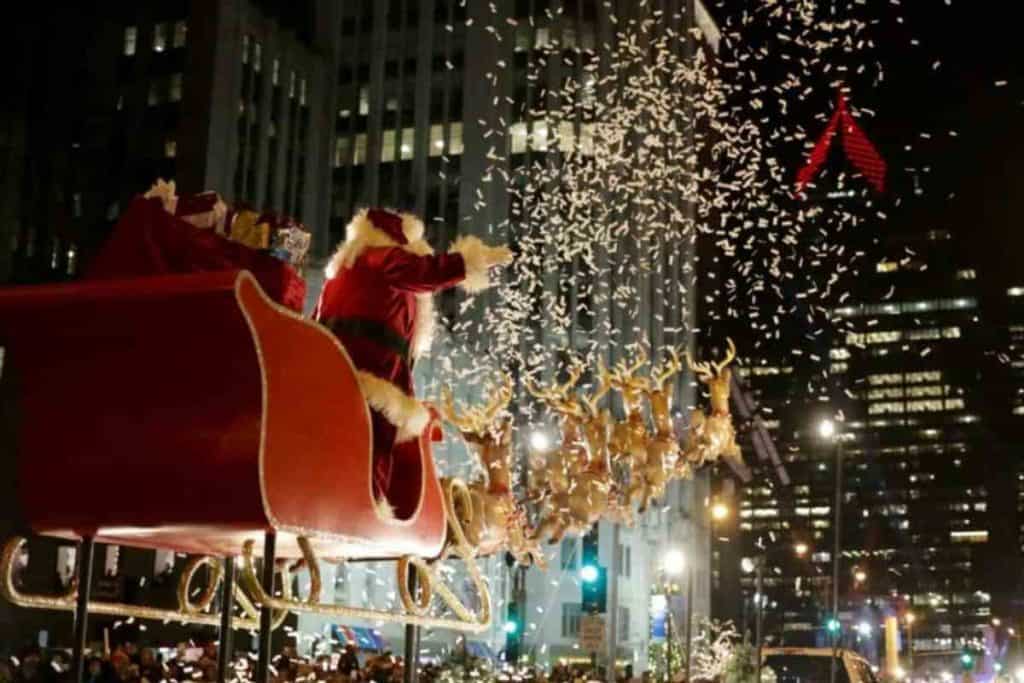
x=839, y=354
x=926, y=390
x=341, y=147
x=159, y=37
x=436, y=140
x=359, y=150
x=885, y=392
x=887, y=266
x=517, y=138
x=387, y=146
x=364, y=98
x=922, y=377
x=887, y=407
x=175, y=88
x=1015, y=291
x=170, y=149
x=131, y=37
x=966, y=274
x=973, y=536
x=180, y=34
x=455, y=138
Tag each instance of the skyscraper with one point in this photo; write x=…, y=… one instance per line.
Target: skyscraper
x=232, y=96
x=920, y=480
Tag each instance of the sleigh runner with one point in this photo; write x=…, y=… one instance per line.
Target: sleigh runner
x=252, y=420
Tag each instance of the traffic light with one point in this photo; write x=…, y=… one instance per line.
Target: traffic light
x=593, y=577
x=967, y=660
x=833, y=626
x=513, y=633
x=595, y=593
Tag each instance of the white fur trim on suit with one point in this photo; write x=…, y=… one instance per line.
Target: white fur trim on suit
x=412, y=228
x=361, y=234
x=475, y=254
x=400, y=409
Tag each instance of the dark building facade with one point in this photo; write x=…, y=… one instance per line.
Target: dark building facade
x=231, y=96
x=923, y=406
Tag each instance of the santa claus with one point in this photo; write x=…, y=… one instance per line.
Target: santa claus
x=378, y=300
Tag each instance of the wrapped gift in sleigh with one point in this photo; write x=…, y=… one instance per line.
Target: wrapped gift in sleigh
x=192, y=413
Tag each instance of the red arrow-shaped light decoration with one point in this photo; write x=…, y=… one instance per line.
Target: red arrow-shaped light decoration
x=858, y=148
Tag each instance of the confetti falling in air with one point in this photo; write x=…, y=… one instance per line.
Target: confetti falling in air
x=651, y=176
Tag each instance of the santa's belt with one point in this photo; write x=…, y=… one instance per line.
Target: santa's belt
x=374, y=330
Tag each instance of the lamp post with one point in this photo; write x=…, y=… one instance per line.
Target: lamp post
x=827, y=431
x=756, y=565
x=910, y=644
x=675, y=564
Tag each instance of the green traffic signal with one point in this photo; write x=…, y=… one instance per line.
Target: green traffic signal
x=967, y=660
x=589, y=573
x=511, y=627
x=833, y=625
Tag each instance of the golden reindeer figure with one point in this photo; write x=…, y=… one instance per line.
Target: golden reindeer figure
x=630, y=437
x=496, y=521
x=597, y=493
x=552, y=476
x=713, y=435
x=663, y=446
x=564, y=464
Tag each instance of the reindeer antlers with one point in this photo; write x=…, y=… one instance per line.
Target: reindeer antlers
x=604, y=385
x=662, y=372
x=557, y=395
x=730, y=356
x=478, y=418
x=712, y=369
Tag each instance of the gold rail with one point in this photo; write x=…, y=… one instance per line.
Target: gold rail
x=415, y=608
x=66, y=601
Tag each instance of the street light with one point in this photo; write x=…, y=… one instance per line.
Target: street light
x=539, y=440
x=859, y=575
x=800, y=549
x=719, y=511
x=996, y=622
x=674, y=562
x=827, y=431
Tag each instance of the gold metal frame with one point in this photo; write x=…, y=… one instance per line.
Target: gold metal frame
x=249, y=594
x=415, y=608
x=187, y=613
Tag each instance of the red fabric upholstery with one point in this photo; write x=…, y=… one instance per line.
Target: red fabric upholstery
x=149, y=241
x=189, y=412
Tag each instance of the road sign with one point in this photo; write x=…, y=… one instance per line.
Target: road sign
x=592, y=632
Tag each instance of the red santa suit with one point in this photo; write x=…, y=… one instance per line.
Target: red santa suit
x=378, y=300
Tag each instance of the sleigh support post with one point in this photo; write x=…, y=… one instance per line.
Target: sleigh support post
x=84, y=579
x=227, y=607
x=266, y=612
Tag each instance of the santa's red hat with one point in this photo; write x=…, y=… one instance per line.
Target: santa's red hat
x=378, y=228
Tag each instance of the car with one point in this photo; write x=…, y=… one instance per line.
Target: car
x=814, y=665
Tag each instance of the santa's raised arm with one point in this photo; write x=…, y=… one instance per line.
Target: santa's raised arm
x=378, y=300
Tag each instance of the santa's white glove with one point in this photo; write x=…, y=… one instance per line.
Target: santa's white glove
x=498, y=256
x=478, y=258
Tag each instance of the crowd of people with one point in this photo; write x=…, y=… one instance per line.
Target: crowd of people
x=130, y=663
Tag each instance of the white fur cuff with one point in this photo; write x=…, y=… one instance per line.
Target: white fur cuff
x=400, y=409
x=475, y=256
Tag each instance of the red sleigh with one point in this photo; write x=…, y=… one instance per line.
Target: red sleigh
x=249, y=420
